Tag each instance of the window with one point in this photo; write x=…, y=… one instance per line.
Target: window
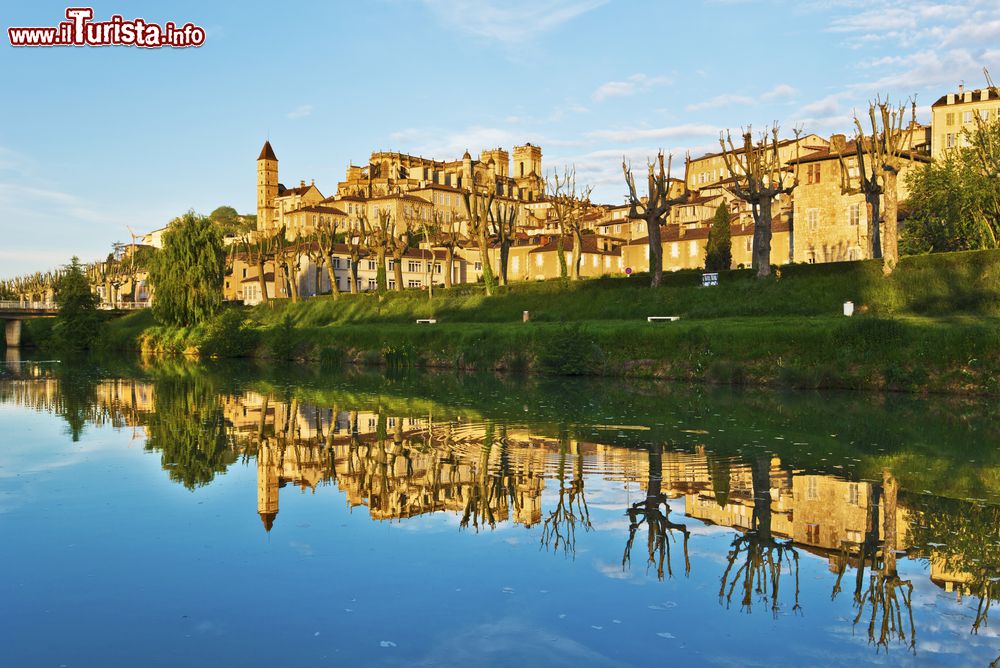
x=812, y=492
x=812, y=534
x=675, y=250
x=371, y=265
x=949, y=140
x=412, y=266
x=392, y=265
x=854, y=214
x=693, y=248
x=392, y=284
x=814, y=172
x=515, y=263
x=812, y=219
x=967, y=117
x=244, y=272
x=593, y=260
x=949, y=119
x=539, y=260
x=478, y=266
x=372, y=284
x=413, y=284
x=336, y=263
x=750, y=244
x=853, y=494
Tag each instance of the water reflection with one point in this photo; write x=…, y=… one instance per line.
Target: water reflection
x=400, y=460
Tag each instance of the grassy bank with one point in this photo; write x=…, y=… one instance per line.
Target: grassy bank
x=931, y=326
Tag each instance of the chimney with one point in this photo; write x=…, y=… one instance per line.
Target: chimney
x=961, y=88
x=302, y=183
x=838, y=143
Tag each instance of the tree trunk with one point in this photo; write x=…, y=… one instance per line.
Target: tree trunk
x=578, y=257
x=484, y=259
x=334, y=288
x=397, y=272
x=890, y=489
x=561, y=254
x=655, y=254
x=354, y=277
x=380, y=280
x=504, y=255
x=890, y=231
x=293, y=283
x=762, y=238
x=874, y=223
x=318, y=276
x=261, y=281
x=449, y=265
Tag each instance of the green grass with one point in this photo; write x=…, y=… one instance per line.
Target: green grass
x=934, y=325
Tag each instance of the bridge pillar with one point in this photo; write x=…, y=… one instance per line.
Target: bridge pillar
x=12, y=331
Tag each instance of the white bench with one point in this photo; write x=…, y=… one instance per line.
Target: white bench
x=662, y=318
x=427, y=321
x=710, y=279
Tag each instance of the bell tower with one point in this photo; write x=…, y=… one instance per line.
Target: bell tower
x=267, y=186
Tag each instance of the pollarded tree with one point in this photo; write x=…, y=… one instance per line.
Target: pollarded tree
x=570, y=206
x=719, y=249
x=356, y=240
x=326, y=240
x=258, y=247
x=449, y=238
x=881, y=154
x=286, y=258
x=655, y=209
x=379, y=237
x=188, y=272
x=759, y=178
x=503, y=225
x=477, y=211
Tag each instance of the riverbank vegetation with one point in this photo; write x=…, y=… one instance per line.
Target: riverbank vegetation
x=930, y=326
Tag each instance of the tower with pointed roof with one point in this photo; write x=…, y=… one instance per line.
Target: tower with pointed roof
x=267, y=186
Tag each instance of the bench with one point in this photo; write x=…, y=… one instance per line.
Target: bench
x=709, y=280
x=662, y=318
x=427, y=321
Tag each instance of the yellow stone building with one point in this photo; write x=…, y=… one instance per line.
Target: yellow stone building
x=954, y=115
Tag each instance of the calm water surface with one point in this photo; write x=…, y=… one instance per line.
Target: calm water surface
x=176, y=514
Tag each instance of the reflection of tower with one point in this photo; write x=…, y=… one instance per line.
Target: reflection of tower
x=267, y=186
x=268, y=471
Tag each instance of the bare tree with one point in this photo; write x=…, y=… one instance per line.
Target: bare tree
x=503, y=225
x=357, y=243
x=570, y=207
x=477, y=211
x=379, y=239
x=326, y=241
x=449, y=238
x=257, y=246
x=655, y=209
x=559, y=528
x=759, y=178
x=286, y=257
x=881, y=154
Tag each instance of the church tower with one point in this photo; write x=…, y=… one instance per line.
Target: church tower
x=267, y=186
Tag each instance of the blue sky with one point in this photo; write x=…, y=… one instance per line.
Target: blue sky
x=96, y=140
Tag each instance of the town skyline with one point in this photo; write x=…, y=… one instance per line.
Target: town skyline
x=183, y=131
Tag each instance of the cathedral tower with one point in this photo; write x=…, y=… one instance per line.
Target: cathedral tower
x=267, y=186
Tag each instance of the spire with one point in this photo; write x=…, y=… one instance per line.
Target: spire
x=267, y=153
x=268, y=519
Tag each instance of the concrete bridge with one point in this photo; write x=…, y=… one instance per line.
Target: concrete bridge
x=13, y=313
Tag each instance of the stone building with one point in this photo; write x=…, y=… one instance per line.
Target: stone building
x=953, y=115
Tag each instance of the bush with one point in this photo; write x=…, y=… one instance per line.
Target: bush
x=570, y=351
x=228, y=335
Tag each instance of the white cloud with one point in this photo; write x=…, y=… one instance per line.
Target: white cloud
x=779, y=92
x=509, y=21
x=634, y=84
x=724, y=100
x=300, y=112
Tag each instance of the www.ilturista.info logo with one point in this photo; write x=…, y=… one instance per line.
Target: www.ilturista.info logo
x=80, y=30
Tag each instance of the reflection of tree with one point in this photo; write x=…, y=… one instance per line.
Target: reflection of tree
x=960, y=539
x=887, y=595
x=757, y=556
x=659, y=528
x=187, y=426
x=559, y=528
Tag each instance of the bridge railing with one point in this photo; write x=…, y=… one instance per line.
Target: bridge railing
x=125, y=306
x=10, y=304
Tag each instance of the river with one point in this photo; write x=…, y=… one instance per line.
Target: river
x=164, y=513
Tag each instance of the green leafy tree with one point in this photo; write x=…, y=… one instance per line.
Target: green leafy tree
x=228, y=220
x=188, y=272
x=719, y=249
x=954, y=203
x=78, y=322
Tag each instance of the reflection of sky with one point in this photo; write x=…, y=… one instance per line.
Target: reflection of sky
x=108, y=562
